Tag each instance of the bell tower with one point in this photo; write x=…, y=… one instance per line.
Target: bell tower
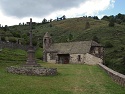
x=47, y=41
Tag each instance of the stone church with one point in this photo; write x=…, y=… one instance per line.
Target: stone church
x=88, y=52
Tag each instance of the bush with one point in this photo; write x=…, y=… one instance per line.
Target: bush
x=108, y=45
x=34, y=42
x=12, y=39
x=111, y=24
x=87, y=25
x=3, y=39
x=16, y=34
x=96, y=39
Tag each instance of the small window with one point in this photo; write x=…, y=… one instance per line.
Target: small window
x=79, y=57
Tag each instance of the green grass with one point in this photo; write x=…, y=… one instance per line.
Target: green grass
x=71, y=79
x=12, y=55
x=39, y=53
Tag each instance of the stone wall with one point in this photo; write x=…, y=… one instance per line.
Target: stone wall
x=12, y=45
x=117, y=77
x=74, y=58
x=38, y=71
x=92, y=60
x=49, y=60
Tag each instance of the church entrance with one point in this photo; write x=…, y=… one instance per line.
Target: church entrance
x=63, y=58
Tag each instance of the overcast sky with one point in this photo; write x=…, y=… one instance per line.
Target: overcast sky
x=15, y=11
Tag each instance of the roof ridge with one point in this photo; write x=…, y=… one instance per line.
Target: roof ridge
x=72, y=42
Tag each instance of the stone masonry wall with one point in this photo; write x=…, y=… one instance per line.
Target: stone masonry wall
x=38, y=71
x=117, y=77
x=92, y=60
x=74, y=58
x=49, y=60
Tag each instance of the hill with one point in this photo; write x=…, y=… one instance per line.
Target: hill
x=76, y=29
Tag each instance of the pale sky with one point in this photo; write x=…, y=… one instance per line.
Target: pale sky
x=13, y=12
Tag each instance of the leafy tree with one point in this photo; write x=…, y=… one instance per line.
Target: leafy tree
x=106, y=18
x=16, y=34
x=123, y=60
x=70, y=37
x=96, y=18
x=44, y=21
x=34, y=42
x=96, y=39
x=63, y=17
x=12, y=39
x=119, y=16
x=3, y=38
x=87, y=25
x=108, y=45
x=111, y=23
x=5, y=28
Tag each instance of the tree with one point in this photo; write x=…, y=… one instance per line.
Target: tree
x=63, y=17
x=123, y=60
x=70, y=37
x=111, y=23
x=96, y=39
x=6, y=28
x=12, y=39
x=106, y=18
x=108, y=45
x=44, y=21
x=87, y=25
x=3, y=38
x=96, y=18
x=120, y=16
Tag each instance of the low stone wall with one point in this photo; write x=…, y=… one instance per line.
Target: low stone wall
x=12, y=45
x=117, y=77
x=38, y=71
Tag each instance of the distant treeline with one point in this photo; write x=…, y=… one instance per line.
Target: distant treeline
x=119, y=19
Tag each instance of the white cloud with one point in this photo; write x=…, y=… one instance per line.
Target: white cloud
x=88, y=7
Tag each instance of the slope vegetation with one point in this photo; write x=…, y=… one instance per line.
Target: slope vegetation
x=75, y=29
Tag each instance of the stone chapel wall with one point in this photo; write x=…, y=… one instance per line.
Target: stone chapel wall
x=92, y=60
x=77, y=58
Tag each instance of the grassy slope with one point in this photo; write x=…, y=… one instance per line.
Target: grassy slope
x=60, y=31
x=72, y=79
x=11, y=55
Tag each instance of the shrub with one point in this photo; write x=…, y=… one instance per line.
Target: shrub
x=111, y=24
x=87, y=25
x=96, y=39
x=16, y=34
x=3, y=38
x=12, y=39
x=108, y=45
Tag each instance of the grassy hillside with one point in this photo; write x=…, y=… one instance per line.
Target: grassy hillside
x=10, y=55
x=17, y=56
x=73, y=29
x=71, y=79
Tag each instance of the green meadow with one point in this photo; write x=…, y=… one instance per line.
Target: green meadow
x=71, y=78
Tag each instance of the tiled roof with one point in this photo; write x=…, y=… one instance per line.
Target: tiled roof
x=72, y=47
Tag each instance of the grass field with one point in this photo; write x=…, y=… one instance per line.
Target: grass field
x=72, y=79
